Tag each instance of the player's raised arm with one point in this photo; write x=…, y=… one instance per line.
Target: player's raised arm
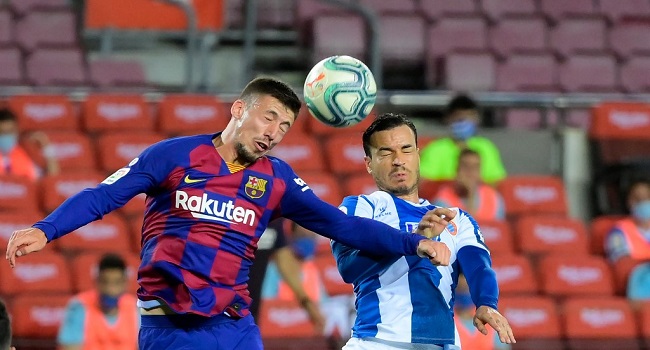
x=140, y=175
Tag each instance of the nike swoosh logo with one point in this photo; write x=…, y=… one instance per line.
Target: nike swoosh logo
x=191, y=181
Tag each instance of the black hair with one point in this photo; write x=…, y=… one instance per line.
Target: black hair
x=384, y=122
x=5, y=327
x=112, y=261
x=7, y=115
x=460, y=103
x=275, y=88
x=636, y=181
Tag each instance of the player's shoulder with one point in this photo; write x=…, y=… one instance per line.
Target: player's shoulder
x=466, y=220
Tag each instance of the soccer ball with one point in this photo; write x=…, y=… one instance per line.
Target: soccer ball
x=340, y=91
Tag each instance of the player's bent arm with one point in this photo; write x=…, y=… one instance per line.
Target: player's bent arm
x=355, y=265
x=476, y=264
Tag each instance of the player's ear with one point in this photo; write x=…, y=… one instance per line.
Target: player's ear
x=237, y=109
x=367, y=160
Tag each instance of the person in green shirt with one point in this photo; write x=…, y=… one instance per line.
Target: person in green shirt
x=440, y=157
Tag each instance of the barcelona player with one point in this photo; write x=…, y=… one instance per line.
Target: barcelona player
x=209, y=199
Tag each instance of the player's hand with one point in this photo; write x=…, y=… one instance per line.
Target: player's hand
x=315, y=315
x=437, y=252
x=434, y=222
x=487, y=315
x=23, y=242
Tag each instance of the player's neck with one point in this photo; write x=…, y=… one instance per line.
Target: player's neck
x=411, y=197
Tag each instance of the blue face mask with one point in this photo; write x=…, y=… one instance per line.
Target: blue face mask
x=304, y=248
x=463, y=300
x=463, y=129
x=641, y=210
x=108, y=302
x=8, y=142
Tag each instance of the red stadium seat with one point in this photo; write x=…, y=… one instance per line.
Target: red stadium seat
x=568, y=275
x=469, y=71
x=184, y=114
x=456, y=33
x=644, y=318
x=303, y=152
x=589, y=73
x=10, y=222
x=542, y=234
x=38, y=315
x=57, y=67
x=497, y=9
x=599, y=228
x=600, y=323
x=105, y=235
x=18, y=194
x=345, y=153
x=116, y=150
x=533, y=195
x=428, y=189
x=617, y=10
x=57, y=188
x=84, y=270
x=388, y=6
x=514, y=274
x=519, y=35
x=329, y=29
x=579, y=35
x=42, y=272
x=528, y=72
x=109, y=112
x=355, y=185
x=498, y=237
x=622, y=269
x=135, y=206
x=635, y=74
x=316, y=127
x=11, y=62
x=46, y=29
x=73, y=151
x=558, y=10
x=434, y=9
x=43, y=112
x=23, y=7
x=284, y=319
x=534, y=321
x=329, y=274
x=403, y=39
x=627, y=39
x=324, y=186
x=135, y=232
x=6, y=29
x=106, y=72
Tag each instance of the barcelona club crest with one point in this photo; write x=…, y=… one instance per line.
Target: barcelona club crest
x=255, y=187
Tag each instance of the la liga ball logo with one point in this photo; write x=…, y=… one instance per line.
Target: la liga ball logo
x=316, y=86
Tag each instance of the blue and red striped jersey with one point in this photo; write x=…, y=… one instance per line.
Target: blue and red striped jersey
x=202, y=222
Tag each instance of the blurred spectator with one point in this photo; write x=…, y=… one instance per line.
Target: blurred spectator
x=273, y=245
x=630, y=237
x=104, y=317
x=14, y=159
x=5, y=328
x=470, y=337
x=439, y=159
x=469, y=193
x=638, y=285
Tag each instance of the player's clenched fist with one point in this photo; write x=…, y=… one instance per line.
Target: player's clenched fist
x=434, y=222
x=437, y=252
x=23, y=242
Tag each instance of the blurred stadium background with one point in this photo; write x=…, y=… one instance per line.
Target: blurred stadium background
x=563, y=87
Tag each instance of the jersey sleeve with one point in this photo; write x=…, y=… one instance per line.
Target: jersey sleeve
x=301, y=205
x=475, y=262
x=71, y=331
x=141, y=175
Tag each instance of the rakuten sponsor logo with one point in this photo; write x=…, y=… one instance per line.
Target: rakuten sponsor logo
x=118, y=111
x=42, y=112
x=202, y=207
x=47, y=316
x=535, y=194
x=526, y=317
x=554, y=234
x=601, y=318
x=287, y=317
x=629, y=119
x=130, y=150
x=579, y=275
x=10, y=190
x=508, y=273
x=97, y=232
x=195, y=114
x=69, y=188
x=35, y=272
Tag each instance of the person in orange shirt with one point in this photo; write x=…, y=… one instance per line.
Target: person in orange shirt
x=14, y=159
x=630, y=237
x=470, y=337
x=469, y=193
x=105, y=317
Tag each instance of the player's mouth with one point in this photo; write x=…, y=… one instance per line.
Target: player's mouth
x=261, y=146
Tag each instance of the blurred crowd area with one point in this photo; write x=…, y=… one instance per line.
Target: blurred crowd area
x=558, y=120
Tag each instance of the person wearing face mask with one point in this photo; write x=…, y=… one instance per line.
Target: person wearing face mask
x=14, y=159
x=467, y=192
x=464, y=310
x=439, y=159
x=630, y=237
x=104, y=318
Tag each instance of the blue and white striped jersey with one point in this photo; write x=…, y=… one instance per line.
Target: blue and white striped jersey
x=406, y=298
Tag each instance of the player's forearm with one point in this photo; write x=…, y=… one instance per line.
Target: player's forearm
x=354, y=265
x=476, y=265
x=289, y=268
